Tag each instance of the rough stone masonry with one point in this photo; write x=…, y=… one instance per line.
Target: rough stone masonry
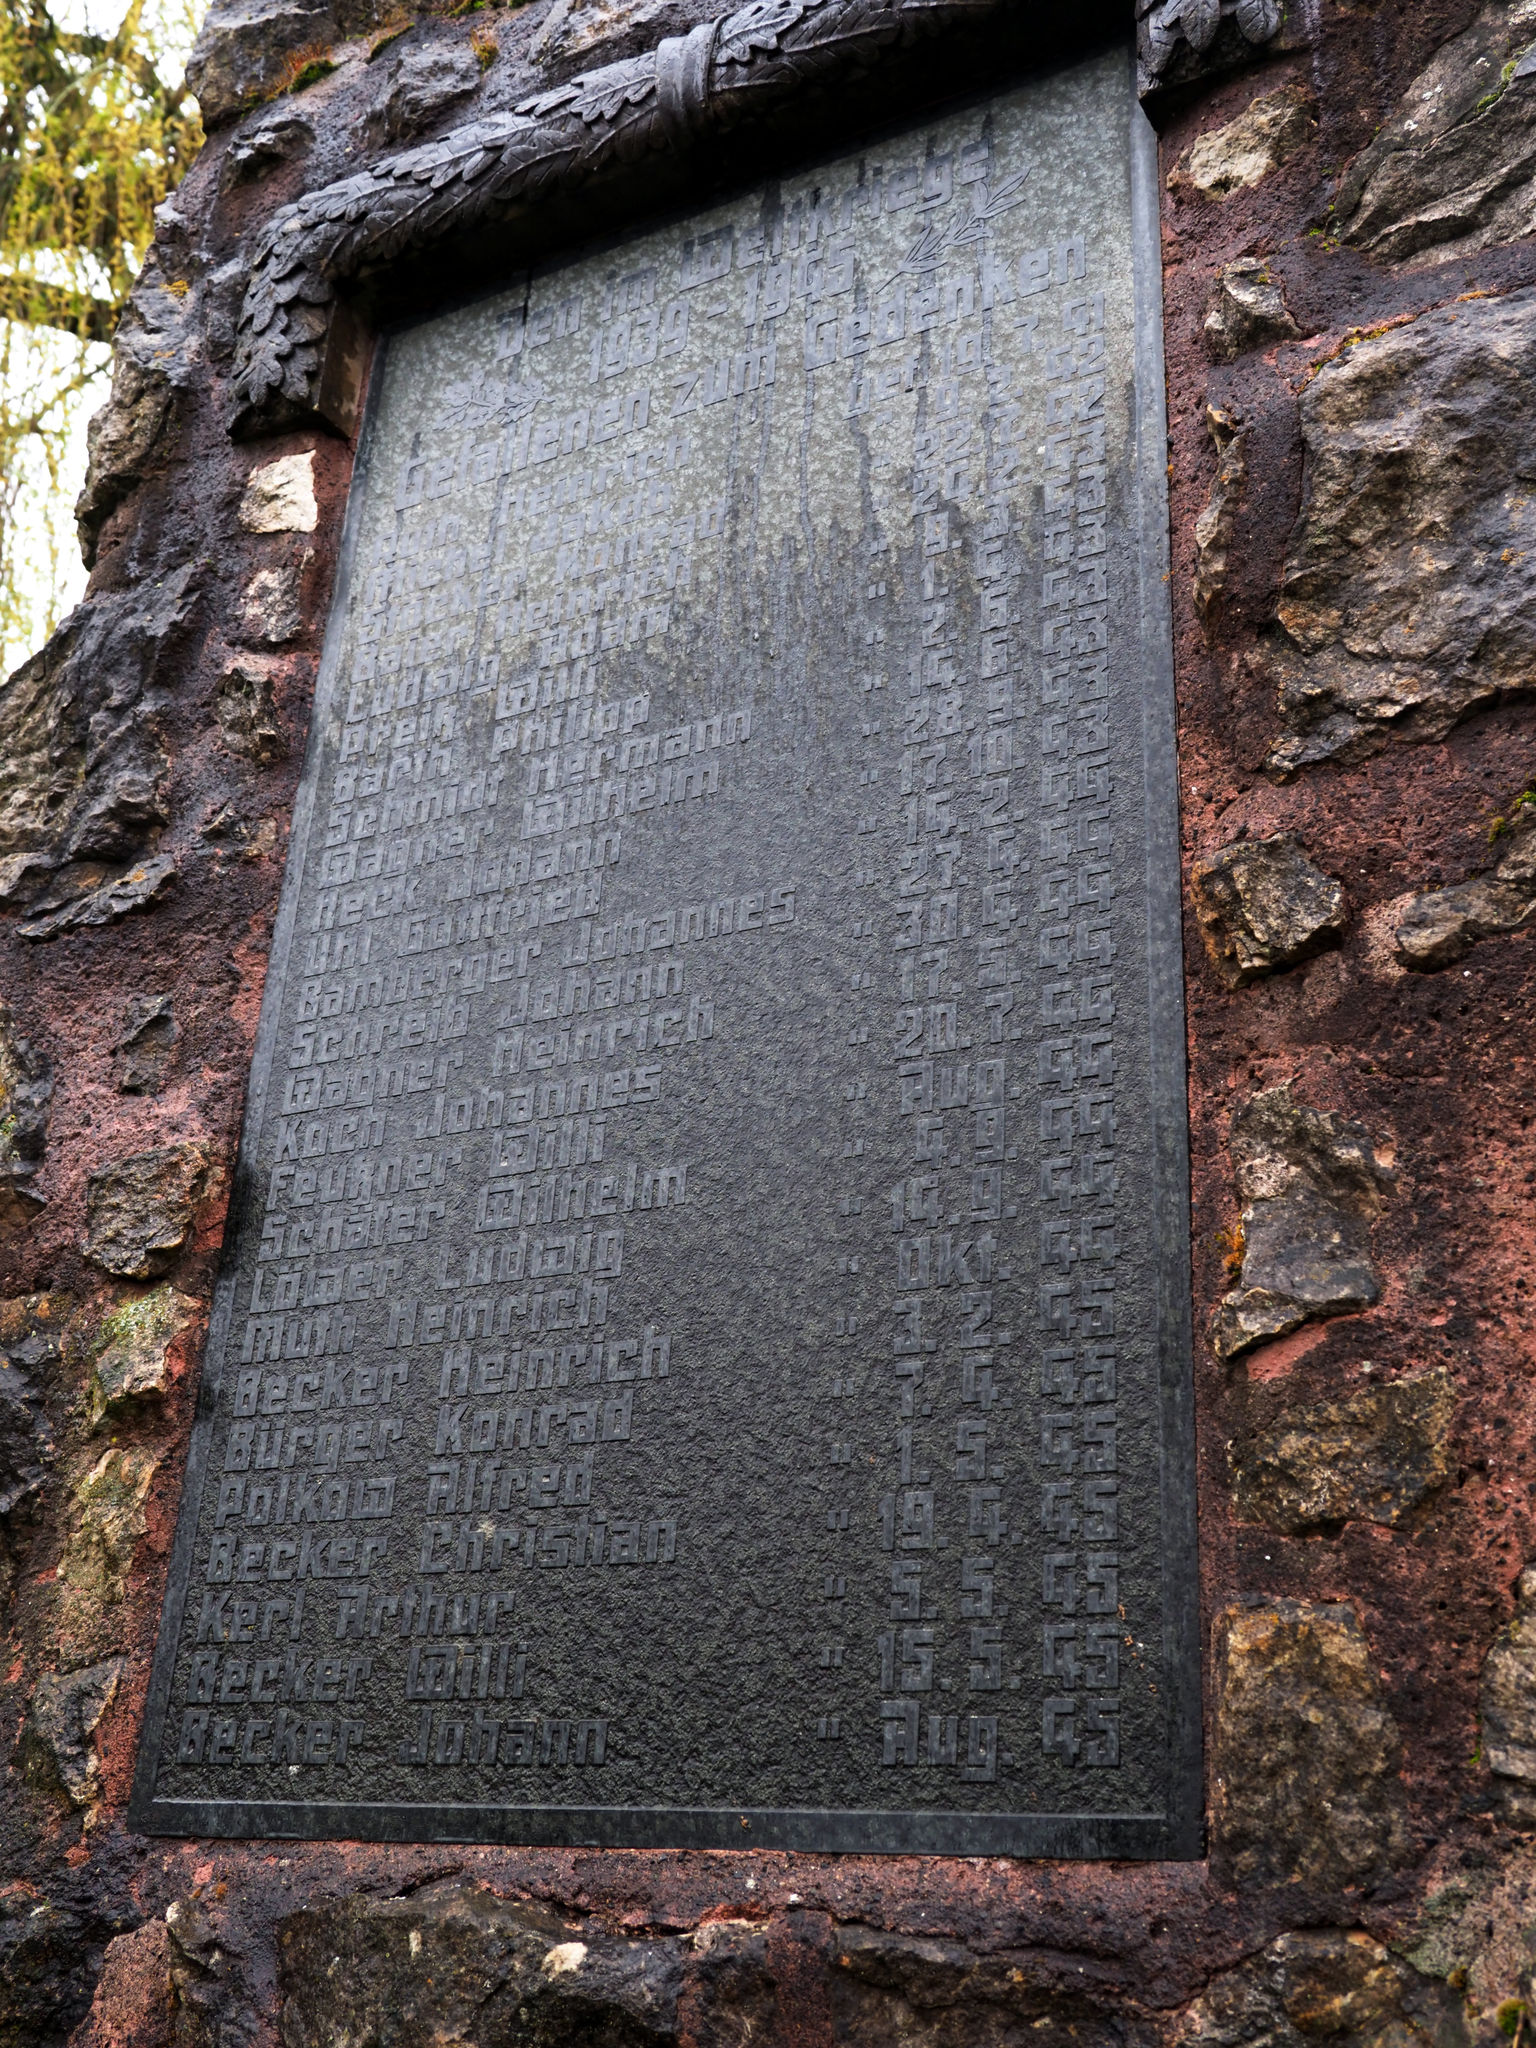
x=1349, y=244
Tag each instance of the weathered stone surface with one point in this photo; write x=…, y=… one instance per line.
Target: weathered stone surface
x=1247, y=310
x=237, y=833
x=22, y=1439
x=101, y=901
x=1268, y=132
x=1305, y=1754
x=120, y=815
x=132, y=1363
x=1213, y=528
x=247, y=711
x=49, y=1956
x=21, y=876
x=213, y=2002
x=29, y=1346
x=135, y=1999
x=81, y=768
x=25, y=1440
x=455, y=1962
x=242, y=50
x=887, y=1988
x=1473, y=1932
x=421, y=86
x=1408, y=589
x=1181, y=41
x=1339, y=1985
x=1509, y=1708
x=573, y=29
x=210, y=2000
x=146, y=1044
x=108, y=1521
x=280, y=496
x=1440, y=925
x=731, y=1982
x=1452, y=171
x=29, y=1329
x=1263, y=906
x=1311, y=1186
x=156, y=1991
x=139, y=1210
x=271, y=607
x=1370, y=1457
x=26, y=1091
x=155, y=355
x=66, y=1710
x=272, y=139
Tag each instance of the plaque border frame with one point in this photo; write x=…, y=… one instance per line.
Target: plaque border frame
x=1177, y=1833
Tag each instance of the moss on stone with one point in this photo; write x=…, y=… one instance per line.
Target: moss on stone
x=132, y=1349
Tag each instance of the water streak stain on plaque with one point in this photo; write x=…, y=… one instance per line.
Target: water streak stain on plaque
x=702, y=1356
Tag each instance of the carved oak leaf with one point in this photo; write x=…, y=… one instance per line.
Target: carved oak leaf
x=759, y=27
x=596, y=95
x=1258, y=19
x=1161, y=31
x=1201, y=20
x=308, y=322
x=266, y=362
x=543, y=106
x=613, y=89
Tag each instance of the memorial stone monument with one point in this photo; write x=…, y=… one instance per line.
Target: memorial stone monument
x=703, y=1352
x=780, y=877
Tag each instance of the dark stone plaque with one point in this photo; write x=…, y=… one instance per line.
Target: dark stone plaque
x=702, y=1357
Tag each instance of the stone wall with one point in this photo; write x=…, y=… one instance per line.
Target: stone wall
x=1349, y=207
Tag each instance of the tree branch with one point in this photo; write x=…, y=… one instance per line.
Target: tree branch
x=33, y=304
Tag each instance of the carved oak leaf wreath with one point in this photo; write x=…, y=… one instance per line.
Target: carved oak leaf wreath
x=767, y=51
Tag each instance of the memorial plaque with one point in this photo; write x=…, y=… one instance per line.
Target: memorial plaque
x=702, y=1354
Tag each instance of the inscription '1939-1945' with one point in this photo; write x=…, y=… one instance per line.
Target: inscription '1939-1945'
x=701, y=1352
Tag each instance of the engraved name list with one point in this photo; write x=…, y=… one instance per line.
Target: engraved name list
x=701, y=1356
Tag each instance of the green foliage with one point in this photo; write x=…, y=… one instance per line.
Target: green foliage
x=1490, y=99
x=1525, y=801
x=95, y=128
x=305, y=68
